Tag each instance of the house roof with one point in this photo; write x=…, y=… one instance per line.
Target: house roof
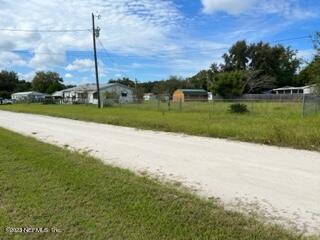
x=92, y=87
x=292, y=88
x=30, y=93
x=194, y=91
x=84, y=88
x=57, y=94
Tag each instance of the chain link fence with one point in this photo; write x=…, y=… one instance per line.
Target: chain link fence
x=217, y=106
x=307, y=104
x=310, y=105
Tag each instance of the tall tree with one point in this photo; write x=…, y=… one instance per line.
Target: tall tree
x=277, y=61
x=237, y=57
x=316, y=43
x=311, y=73
x=8, y=82
x=47, y=82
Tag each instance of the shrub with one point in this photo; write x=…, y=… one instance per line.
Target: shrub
x=229, y=84
x=48, y=101
x=238, y=108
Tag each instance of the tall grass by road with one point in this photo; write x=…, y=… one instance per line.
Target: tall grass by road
x=278, y=124
x=43, y=186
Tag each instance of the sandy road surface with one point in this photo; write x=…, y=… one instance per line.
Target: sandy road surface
x=280, y=182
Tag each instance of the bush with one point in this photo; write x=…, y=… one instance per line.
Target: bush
x=238, y=108
x=48, y=101
x=229, y=84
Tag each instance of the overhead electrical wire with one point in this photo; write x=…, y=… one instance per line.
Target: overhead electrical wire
x=43, y=30
x=291, y=39
x=163, y=53
x=111, y=59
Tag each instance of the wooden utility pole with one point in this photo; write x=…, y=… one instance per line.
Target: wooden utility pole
x=94, y=35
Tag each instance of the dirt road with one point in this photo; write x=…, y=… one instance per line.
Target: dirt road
x=281, y=183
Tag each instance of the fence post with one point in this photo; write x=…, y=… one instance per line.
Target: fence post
x=213, y=103
x=180, y=105
x=158, y=104
x=303, y=105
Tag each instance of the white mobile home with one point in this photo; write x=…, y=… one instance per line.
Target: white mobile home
x=28, y=96
x=295, y=90
x=87, y=93
x=149, y=96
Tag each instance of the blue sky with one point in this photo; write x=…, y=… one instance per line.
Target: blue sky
x=145, y=39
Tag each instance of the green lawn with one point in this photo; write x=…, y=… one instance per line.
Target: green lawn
x=278, y=124
x=44, y=186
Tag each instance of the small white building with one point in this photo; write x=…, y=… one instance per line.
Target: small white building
x=149, y=96
x=295, y=90
x=28, y=96
x=87, y=93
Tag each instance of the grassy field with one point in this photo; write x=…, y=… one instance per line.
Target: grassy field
x=44, y=186
x=278, y=124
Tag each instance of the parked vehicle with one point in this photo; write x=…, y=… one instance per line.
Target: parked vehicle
x=6, y=101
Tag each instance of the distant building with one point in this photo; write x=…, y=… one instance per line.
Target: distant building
x=87, y=93
x=149, y=96
x=294, y=90
x=189, y=95
x=28, y=96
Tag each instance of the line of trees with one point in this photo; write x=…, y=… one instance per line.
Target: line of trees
x=246, y=68
x=45, y=82
x=9, y=83
x=257, y=68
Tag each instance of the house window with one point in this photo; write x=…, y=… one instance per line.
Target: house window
x=124, y=94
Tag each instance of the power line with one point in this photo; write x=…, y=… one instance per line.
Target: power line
x=110, y=58
x=163, y=53
x=106, y=52
x=291, y=39
x=42, y=30
x=67, y=53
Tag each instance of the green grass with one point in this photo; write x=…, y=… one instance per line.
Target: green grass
x=278, y=124
x=45, y=186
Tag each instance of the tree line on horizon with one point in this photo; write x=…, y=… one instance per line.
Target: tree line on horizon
x=246, y=68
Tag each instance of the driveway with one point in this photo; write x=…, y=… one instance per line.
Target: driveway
x=281, y=184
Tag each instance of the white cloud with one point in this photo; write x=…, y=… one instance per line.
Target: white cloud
x=27, y=76
x=81, y=64
x=68, y=75
x=307, y=54
x=9, y=59
x=291, y=9
x=230, y=6
x=287, y=8
x=127, y=26
x=47, y=56
x=146, y=29
x=6, y=45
